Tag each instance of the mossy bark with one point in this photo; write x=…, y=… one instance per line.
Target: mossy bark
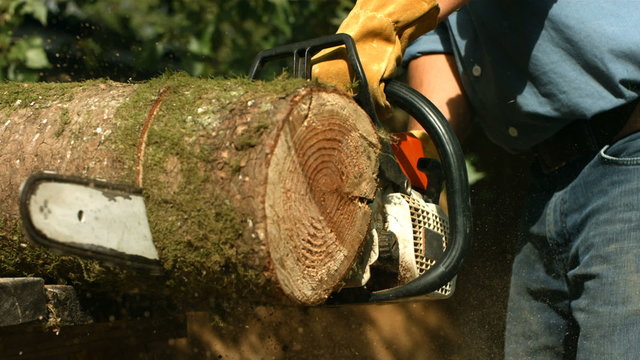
x=254, y=190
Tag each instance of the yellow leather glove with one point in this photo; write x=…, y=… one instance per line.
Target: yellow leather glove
x=382, y=30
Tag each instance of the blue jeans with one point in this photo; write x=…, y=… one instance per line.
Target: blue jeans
x=575, y=287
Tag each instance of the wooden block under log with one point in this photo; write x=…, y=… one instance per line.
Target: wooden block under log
x=22, y=300
x=64, y=306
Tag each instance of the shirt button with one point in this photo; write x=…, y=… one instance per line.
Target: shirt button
x=476, y=70
x=513, y=131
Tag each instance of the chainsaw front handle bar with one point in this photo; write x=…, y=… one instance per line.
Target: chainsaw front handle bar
x=433, y=122
x=455, y=171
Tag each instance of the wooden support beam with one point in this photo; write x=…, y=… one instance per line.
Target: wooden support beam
x=22, y=300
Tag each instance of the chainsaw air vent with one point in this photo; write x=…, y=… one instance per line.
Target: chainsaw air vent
x=427, y=219
x=430, y=230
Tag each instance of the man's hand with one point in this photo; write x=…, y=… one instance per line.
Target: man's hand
x=382, y=29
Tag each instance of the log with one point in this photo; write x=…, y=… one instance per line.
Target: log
x=253, y=190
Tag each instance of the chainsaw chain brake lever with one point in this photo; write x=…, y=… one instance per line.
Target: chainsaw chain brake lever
x=433, y=122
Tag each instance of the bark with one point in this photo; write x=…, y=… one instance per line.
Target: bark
x=253, y=189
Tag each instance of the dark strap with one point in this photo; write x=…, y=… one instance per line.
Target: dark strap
x=581, y=137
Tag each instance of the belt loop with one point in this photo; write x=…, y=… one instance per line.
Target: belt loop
x=590, y=136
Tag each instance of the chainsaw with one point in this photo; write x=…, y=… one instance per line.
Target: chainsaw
x=413, y=248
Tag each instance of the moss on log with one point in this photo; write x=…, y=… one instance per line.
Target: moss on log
x=254, y=190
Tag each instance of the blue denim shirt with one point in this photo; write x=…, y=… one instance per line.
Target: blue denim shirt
x=530, y=67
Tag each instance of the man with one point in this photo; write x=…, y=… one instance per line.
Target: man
x=560, y=78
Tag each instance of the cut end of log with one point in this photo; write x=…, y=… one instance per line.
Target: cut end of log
x=321, y=176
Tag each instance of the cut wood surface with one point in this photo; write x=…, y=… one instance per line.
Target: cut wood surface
x=254, y=190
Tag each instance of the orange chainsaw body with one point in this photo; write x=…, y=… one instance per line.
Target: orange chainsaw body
x=408, y=149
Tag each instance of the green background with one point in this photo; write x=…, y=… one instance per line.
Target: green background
x=123, y=40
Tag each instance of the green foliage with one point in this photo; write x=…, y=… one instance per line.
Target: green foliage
x=139, y=39
x=21, y=58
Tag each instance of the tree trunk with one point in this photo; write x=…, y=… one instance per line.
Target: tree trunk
x=252, y=189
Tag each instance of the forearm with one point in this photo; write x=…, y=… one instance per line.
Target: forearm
x=449, y=6
x=435, y=76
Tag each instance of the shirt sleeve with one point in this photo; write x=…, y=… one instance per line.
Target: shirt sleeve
x=434, y=42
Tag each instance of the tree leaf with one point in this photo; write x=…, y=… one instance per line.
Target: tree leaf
x=36, y=58
x=37, y=9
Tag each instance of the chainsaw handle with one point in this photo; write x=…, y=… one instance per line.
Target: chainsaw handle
x=450, y=151
x=302, y=53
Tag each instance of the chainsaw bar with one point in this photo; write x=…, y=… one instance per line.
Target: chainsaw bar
x=89, y=218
